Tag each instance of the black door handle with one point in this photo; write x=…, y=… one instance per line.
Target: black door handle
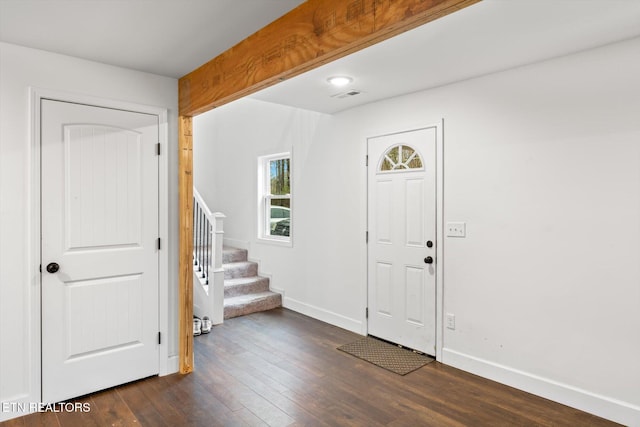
x=428, y=260
x=53, y=267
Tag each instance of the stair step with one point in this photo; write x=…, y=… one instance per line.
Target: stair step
x=235, y=270
x=245, y=285
x=230, y=255
x=251, y=303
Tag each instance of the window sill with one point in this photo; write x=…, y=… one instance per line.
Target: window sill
x=288, y=243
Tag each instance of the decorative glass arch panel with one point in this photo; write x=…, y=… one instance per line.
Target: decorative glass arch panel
x=400, y=157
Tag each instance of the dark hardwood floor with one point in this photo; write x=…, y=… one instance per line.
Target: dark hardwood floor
x=281, y=368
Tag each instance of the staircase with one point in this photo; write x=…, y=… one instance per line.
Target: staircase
x=244, y=291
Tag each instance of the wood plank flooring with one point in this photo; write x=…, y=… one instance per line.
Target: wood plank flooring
x=280, y=368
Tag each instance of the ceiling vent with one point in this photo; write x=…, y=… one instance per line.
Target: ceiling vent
x=347, y=94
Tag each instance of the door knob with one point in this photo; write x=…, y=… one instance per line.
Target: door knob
x=428, y=260
x=53, y=267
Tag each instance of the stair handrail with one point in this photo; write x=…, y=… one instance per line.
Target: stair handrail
x=214, y=306
x=203, y=205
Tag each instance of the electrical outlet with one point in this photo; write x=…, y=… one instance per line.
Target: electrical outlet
x=451, y=321
x=456, y=229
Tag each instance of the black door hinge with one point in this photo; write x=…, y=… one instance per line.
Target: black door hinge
x=159, y=247
x=366, y=160
x=158, y=148
x=159, y=337
x=366, y=313
x=366, y=237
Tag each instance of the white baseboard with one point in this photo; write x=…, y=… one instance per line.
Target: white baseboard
x=274, y=289
x=602, y=406
x=173, y=365
x=17, y=406
x=323, y=315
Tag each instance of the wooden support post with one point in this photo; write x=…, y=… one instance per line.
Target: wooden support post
x=185, y=188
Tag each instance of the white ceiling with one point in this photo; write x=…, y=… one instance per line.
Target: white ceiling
x=165, y=37
x=173, y=37
x=489, y=36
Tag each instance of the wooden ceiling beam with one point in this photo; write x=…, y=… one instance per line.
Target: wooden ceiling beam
x=313, y=34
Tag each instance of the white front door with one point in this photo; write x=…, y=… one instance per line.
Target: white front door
x=99, y=210
x=402, y=231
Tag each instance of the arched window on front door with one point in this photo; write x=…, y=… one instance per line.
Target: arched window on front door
x=400, y=157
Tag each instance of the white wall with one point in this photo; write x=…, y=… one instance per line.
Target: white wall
x=542, y=163
x=227, y=143
x=21, y=68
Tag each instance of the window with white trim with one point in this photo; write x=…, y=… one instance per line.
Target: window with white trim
x=274, y=185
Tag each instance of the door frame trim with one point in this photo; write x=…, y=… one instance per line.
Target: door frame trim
x=36, y=95
x=439, y=127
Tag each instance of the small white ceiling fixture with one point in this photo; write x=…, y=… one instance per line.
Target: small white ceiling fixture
x=340, y=81
x=484, y=38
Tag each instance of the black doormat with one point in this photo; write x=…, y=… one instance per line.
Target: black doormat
x=391, y=357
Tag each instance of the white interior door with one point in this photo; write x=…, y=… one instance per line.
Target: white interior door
x=402, y=245
x=99, y=204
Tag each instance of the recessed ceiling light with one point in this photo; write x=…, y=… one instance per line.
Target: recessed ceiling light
x=340, y=80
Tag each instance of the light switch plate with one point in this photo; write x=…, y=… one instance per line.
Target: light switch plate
x=456, y=229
